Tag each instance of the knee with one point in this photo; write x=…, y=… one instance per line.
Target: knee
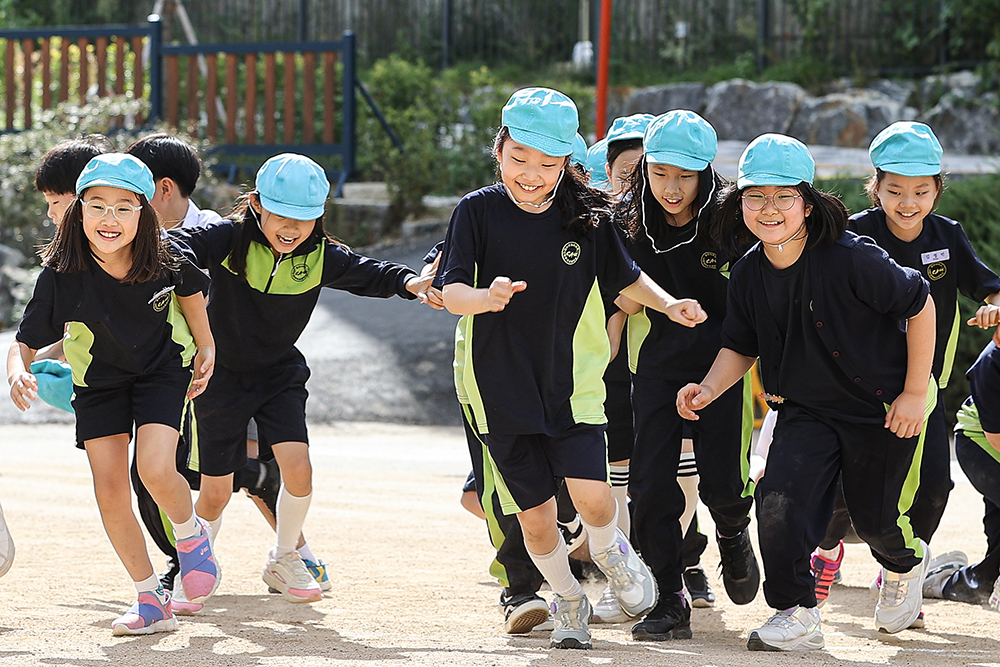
x=297, y=476
x=213, y=498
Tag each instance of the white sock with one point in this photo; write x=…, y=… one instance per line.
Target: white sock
x=216, y=526
x=554, y=566
x=619, y=489
x=186, y=529
x=831, y=554
x=687, y=478
x=150, y=583
x=290, y=516
x=601, y=538
x=307, y=553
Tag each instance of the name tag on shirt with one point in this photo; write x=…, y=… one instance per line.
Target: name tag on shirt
x=935, y=256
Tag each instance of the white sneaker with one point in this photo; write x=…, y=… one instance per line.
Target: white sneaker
x=608, y=610
x=995, y=596
x=940, y=570
x=628, y=576
x=6, y=546
x=571, y=618
x=901, y=596
x=796, y=629
x=179, y=605
x=288, y=575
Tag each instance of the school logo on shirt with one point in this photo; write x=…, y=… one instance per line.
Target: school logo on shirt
x=300, y=272
x=161, y=299
x=937, y=270
x=571, y=253
x=709, y=260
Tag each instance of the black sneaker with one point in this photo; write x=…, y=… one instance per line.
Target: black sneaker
x=167, y=577
x=523, y=612
x=965, y=585
x=697, y=587
x=669, y=619
x=740, y=573
x=268, y=484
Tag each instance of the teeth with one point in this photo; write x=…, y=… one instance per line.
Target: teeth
x=109, y=235
x=529, y=188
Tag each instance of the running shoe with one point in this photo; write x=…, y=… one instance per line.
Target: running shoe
x=200, y=574
x=571, y=618
x=523, y=613
x=669, y=619
x=696, y=584
x=288, y=575
x=740, y=573
x=6, y=546
x=318, y=572
x=149, y=614
x=824, y=573
x=628, y=576
x=574, y=533
x=795, y=629
x=901, y=596
x=180, y=606
x=995, y=596
x=608, y=610
x=941, y=570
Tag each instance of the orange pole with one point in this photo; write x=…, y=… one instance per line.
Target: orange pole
x=603, y=56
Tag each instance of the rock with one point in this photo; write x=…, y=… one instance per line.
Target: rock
x=966, y=125
x=847, y=119
x=934, y=88
x=743, y=110
x=660, y=99
x=897, y=91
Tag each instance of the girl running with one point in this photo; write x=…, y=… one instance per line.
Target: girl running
x=524, y=263
x=825, y=311
x=268, y=266
x=134, y=316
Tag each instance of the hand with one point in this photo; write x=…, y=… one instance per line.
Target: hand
x=433, y=298
x=501, y=291
x=204, y=366
x=986, y=317
x=693, y=397
x=23, y=389
x=686, y=312
x=432, y=268
x=906, y=415
x=417, y=285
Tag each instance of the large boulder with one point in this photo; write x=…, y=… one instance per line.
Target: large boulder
x=660, y=99
x=849, y=119
x=966, y=125
x=936, y=87
x=743, y=110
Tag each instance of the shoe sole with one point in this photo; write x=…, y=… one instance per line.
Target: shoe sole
x=570, y=642
x=674, y=633
x=755, y=643
x=702, y=603
x=273, y=583
x=526, y=621
x=166, y=625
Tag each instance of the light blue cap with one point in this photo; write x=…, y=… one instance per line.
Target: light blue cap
x=579, y=150
x=543, y=119
x=629, y=127
x=117, y=170
x=597, y=162
x=775, y=159
x=682, y=139
x=292, y=186
x=908, y=149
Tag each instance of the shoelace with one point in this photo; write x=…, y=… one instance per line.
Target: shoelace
x=893, y=592
x=616, y=564
x=565, y=617
x=781, y=620
x=728, y=557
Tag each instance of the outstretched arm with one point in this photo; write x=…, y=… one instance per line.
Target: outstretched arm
x=23, y=385
x=728, y=368
x=647, y=293
x=462, y=299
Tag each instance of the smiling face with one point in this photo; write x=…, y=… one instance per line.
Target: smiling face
x=619, y=172
x=771, y=224
x=283, y=234
x=906, y=200
x=675, y=189
x=57, y=205
x=529, y=174
x=111, y=234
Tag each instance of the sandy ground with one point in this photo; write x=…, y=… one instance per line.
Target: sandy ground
x=410, y=585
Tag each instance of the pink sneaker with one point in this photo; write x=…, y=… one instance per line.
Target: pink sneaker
x=150, y=613
x=179, y=605
x=200, y=574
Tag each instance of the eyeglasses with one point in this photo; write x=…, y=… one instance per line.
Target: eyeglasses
x=122, y=212
x=783, y=200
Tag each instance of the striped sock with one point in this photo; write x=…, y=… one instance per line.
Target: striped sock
x=619, y=489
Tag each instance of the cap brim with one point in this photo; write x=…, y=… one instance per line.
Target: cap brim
x=540, y=142
x=625, y=136
x=114, y=183
x=291, y=211
x=916, y=169
x=678, y=160
x=762, y=180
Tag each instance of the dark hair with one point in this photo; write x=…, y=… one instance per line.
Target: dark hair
x=62, y=164
x=871, y=187
x=247, y=228
x=616, y=148
x=637, y=197
x=582, y=206
x=169, y=157
x=68, y=250
x=825, y=223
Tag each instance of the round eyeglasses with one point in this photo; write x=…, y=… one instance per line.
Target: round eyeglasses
x=122, y=212
x=783, y=200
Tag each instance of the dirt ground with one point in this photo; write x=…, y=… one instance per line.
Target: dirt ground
x=409, y=570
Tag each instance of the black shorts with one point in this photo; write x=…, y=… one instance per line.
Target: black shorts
x=526, y=466
x=154, y=398
x=274, y=397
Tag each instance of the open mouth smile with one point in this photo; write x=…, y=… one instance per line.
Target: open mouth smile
x=107, y=234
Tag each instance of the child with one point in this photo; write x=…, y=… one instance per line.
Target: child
x=176, y=168
x=524, y=261
x=110, y=277
x=61, y=166
x=904, y=191
x=824, y=310
x=267, y=268
x=665, y=218
x=977, y=446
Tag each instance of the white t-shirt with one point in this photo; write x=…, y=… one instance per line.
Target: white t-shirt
x=195, y=217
